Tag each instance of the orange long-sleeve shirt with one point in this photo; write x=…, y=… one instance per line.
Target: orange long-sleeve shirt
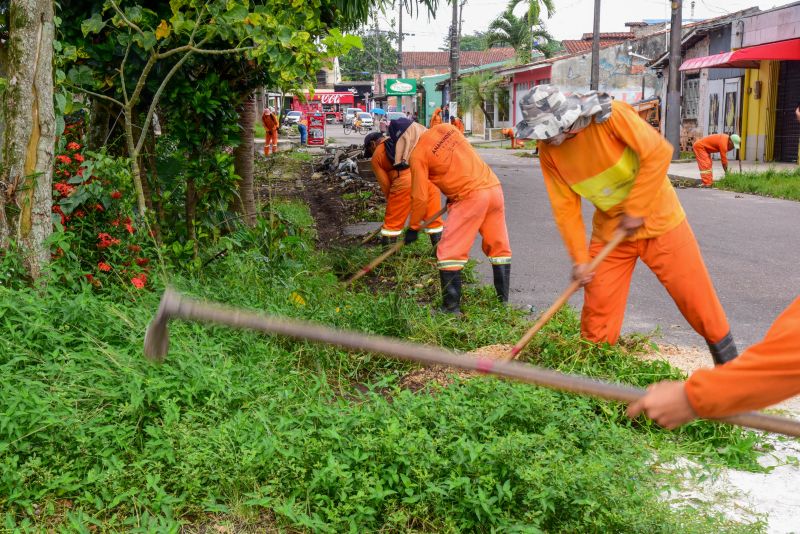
x=715, y=143
x=269, y=121
x=620, y=166
x=766, y=373
x=390, y=179
x=437, y=118
x=445, y=157
x=459, y=124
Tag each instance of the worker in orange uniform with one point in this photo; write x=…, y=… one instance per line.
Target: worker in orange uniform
x=706, y=146
x=271, y=125
x=444, y=157
x=437, y=117
x=508, y=133
x=396, y=187
x=601, y=150
x=766, y=373
x=458, y=123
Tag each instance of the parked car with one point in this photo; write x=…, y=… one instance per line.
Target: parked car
x=392, y=115
x=366, y=120
x=349, y=114
x=291, y=118
x=332, y=116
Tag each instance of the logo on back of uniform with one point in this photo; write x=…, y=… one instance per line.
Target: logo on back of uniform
x=442, y=141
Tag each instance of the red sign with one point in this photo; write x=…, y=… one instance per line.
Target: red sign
x=316, y=130
x=332, y=98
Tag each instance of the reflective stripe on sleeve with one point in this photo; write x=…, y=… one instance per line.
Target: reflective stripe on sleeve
x=390, y=233
x=500, y=260
x=447, y=264
x=434, y=230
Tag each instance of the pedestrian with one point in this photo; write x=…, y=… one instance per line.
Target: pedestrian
x=383, y=125
x=597, y=148
x=408, y=115
x=444, y=157
x=458, y=123
x=302, y=127
x=446, y=113
x=708, y=145
x=271, y=124
x=396, y=187
x=508, y=133
x=436, y=119
x=766, y=373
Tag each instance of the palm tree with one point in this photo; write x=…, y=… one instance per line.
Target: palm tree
x=513, y=31
x=534, y=20
x=477, y=89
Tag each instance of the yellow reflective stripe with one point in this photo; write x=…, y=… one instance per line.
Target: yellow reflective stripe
x=451, y=263
x=390, y=233
x=500, y=260
x=434, y=230
x=612, y=186
x=709, y=171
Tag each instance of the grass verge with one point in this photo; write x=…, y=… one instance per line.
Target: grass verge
x=770, y=183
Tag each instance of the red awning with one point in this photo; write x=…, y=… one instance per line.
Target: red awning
x=747, y=58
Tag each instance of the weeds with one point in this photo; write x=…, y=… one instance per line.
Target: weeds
x=770, y=183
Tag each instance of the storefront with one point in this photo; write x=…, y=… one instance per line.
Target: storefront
x=335, y=102
x=523, y=79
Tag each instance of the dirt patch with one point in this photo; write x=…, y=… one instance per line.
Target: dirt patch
x=422, y=378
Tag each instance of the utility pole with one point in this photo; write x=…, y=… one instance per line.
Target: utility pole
x=400, y=41
x=594, y=81
x=454, y=53
x=379, y=89
x=673, y=123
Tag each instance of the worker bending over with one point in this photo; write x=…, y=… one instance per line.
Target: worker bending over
x=458, y=123
x=601, y=150
x=711, y=144
x=271, y=125
x=766, y=373
x=396, y=187
x=508, y=133
x=444, y=157
x=436, y=119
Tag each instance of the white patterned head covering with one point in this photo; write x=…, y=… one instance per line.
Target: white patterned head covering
x=547, y=112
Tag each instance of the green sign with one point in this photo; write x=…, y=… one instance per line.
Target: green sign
x=401, y=87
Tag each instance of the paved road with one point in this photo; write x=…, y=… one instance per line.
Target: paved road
x=751, y=247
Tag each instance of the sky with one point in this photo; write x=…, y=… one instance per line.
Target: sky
x=571, y=19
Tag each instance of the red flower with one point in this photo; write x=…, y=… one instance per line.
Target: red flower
x=115, y=222
x=139, y=281
x=80, y=214
x=99, y=207
x=134, y=248
x=105, y=240
x=80, y=171
x=129, y=227
x=141, y=262
x=116, y=194
x=103, y=266
x=78, y=158
x=64, y=188
x=89, y=277
x=64, y=159
x=73, y=146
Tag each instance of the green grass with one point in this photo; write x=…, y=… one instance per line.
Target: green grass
x=267, y=432
x=771, y=183
x=258, y=130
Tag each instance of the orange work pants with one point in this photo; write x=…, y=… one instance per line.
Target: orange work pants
x=704, y=162
x=270, y=141
x=398, y=207
x=480, y=211
x=675, y=259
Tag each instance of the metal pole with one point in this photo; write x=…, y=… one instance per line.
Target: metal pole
x=378, y=45
x=454, y=53
x=673, y=125
x=595, y=79
x=400, y=53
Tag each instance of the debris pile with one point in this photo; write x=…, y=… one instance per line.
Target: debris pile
x=345, y=162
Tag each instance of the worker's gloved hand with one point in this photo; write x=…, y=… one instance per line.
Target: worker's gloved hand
x=666, y=403
x=630, y=224
x=581, y=273
x=411, y=236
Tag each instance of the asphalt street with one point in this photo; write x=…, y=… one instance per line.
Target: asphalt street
x=751, y=247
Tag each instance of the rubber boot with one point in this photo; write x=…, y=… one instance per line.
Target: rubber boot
x=387, y=241
x=435, y=238
x=723, y=350
x=451, y=291
x=502, y=279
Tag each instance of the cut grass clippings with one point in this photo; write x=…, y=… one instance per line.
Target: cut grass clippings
x=242, y=429
x=770, y=183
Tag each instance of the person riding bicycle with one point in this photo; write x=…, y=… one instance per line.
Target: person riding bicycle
x=357, y=124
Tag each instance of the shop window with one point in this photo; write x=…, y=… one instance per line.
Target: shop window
x=503, y=106
x=489, y=105
x=691, y=98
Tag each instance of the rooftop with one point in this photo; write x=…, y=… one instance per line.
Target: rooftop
x=418, y=60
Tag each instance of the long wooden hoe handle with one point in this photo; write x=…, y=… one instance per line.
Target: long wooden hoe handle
x=561, y=300
x=394, y=248
x=371, y=235
x=174, y=305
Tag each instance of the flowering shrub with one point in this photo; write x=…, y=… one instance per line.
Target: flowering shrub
x=92, y=216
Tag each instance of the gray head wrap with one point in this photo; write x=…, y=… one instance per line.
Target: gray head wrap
x=547, y=112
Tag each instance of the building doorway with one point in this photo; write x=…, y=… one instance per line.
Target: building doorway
x=787, y=128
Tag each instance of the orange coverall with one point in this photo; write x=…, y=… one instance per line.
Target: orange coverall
x=459, y=124
x=766, y=373
x=396, y=187
x=509, y=133
x=271, y=125
x=621, y=167
x=445, y=158
x=703, y=150
x=437, y=118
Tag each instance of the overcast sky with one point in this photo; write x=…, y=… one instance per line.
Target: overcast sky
x=571, y=19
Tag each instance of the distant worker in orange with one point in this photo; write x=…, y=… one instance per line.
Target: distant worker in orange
x=508, y=133
x=396, y=187
x=458, y=123
x=444, y=157
x=596, y=148
x=706, y=146
x=437, y=117
x=766, y=373
x=271, y=125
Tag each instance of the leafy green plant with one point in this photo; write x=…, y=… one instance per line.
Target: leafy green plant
x=770, y=183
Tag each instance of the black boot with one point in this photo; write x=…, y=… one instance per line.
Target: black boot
x=387, y=241
x=435, y=238
x=451, y=291
x=723, y=350
x=502, y=279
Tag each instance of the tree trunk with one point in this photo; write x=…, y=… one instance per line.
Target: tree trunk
x=99, y=124
x=489, y=119
x=191, y=209
x=29, y=135
x=243, y=160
